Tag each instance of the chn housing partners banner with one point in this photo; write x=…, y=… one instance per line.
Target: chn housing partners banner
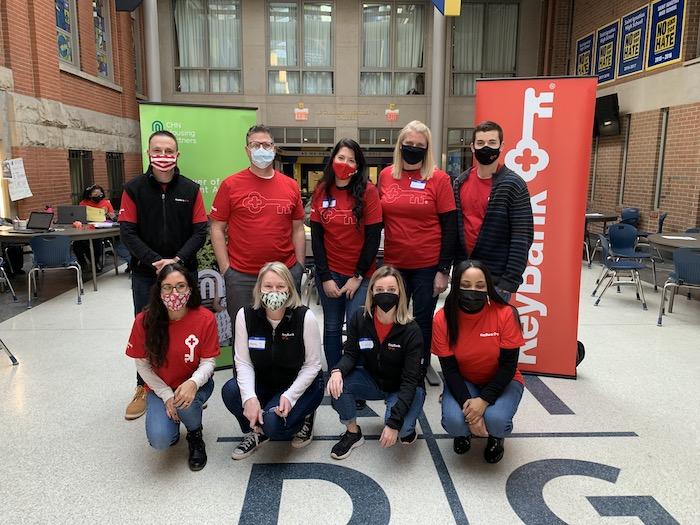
x=211, y=142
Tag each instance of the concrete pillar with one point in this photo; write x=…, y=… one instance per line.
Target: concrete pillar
x=437, y=90
x=150, y=24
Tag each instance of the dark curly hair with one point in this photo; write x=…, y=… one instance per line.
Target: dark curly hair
x=90, y=189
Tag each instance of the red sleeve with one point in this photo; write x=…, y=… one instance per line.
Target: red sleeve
x=220, y=208
x=136, y=347
x=298, y=213
x=444, y=196
x=108, y=206
x=127, y=213
x=373, y=207
x=440, y=345
x=316, y=204
x=199, y=214
x=210, y=344
x=510, y=329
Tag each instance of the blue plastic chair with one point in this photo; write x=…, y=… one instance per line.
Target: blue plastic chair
x=686, y=274
x=52, y=252
x=613, y=267
x=623, y=245
x=630, y=216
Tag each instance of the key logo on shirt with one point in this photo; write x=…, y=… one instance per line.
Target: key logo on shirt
x=329, y=214
x=394, y=192
x=255, y=203
x=191, y=341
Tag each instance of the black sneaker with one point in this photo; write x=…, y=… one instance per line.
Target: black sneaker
x=249, y=444
x=494, y=450
x=198, y=453
x=348, y=441
x=410, y=439
x=306, y=434
x=462, y=444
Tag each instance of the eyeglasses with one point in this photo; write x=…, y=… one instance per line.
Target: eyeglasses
x=180, y=287
x=264, y=145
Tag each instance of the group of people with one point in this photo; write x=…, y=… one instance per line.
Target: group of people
x=478, y=228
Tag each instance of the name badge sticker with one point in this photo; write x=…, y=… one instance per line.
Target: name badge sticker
x=256, y=343
x=328, y=204
x=417, y=184
x=366, y=344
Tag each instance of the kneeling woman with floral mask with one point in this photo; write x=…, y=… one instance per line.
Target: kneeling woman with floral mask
x=278, y=384
x=175, y=343
x=390, y=345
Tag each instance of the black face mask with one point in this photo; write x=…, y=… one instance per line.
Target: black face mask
x=412, y=154
x=486, y=155
x=472, y=301
x=96, y=199
x=385, y=300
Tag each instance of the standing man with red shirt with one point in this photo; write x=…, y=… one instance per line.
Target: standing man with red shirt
x=162, y=221
x=259, y=212
x=494, y=219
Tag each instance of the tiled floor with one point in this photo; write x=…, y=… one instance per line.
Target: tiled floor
x=622, y=438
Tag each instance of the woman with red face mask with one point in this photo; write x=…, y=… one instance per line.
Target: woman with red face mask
x=175, y=342
x=346, y=225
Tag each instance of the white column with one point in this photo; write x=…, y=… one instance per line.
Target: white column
x=150, y=24
x=437, y=90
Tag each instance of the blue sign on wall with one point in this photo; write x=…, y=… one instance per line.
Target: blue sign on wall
x=665, y=32
x=584, y=55
x=606, y=52
x=633, y=38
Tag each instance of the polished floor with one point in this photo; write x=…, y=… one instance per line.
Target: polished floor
x=619, y=445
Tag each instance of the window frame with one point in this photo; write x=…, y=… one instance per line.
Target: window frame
x=115, y=176
x=393, y=137
x=108, y=35
x=281, y=131
x=136, y=36
x=82, y=172
x=74, y=34
x=464, y=147
x=300, y=68
x=393, y=70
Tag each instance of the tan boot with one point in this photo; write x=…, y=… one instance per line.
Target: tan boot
x=137, y=407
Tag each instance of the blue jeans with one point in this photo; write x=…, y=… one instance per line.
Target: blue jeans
x=161, y=431
x=497, y=417
x=335, y=312
x=274, y=426
x=360, y=385
x=419, y=287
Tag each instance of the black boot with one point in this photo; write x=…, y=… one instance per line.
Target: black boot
x=493, y=453
x=198, y=453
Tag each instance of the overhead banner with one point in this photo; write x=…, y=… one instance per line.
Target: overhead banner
x=606, y=52
x=666, y=33
x=633, y=37
x=535, y=114
x=584, y=55
x=211, y=142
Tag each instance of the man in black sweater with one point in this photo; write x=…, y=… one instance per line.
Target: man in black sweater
x=494, y=215
x=162, y=221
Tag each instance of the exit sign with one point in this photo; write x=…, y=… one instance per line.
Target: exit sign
x=448, y=7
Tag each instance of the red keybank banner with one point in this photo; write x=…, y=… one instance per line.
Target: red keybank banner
x=547, y=127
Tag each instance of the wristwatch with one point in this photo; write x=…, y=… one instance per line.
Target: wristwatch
x=177, y=259
x=358, y=275
x=444, y=269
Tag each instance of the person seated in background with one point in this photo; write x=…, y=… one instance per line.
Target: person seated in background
x=93, y=197
x=277, y=346
x=391, y=343
x=477, y=337
x=175, y=343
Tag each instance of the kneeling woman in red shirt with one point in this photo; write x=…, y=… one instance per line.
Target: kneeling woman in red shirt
x=477, y=337
x=175, y=343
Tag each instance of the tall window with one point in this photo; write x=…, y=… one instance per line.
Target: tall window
x=300, y=54
x=136, y=32
x=208, y=46
x=67, y=32
x=393, y=36
x=81, y=173
x=484, y=43
x=115, y=177
x=103, y=40
x=459, y=155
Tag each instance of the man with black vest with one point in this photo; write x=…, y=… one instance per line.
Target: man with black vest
x=162, y=221
x=494, y=214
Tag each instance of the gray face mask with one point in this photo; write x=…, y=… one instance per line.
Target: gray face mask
x=274, y=300
x=261, y=157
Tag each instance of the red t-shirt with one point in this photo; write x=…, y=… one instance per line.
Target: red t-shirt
x=104, y=203
x=129, y=213
x=341, y=237
x=192, y=338
x=474, y=196
x=410, y=207
x=481, y=337
x=259, y=213
x=381, y=328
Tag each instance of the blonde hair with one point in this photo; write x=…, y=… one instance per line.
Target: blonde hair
x=402, y=315
x=428, y=166
x=282, y=271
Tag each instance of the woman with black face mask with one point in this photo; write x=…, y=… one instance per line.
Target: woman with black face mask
x=477, y=337
x=93, y=197
x=390, y=345
x=420, y=223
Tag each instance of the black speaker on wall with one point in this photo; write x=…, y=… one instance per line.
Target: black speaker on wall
x=607, y=116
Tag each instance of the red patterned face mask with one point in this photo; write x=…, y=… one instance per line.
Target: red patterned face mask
x=343, y=171
x=175, y=301
x=163, y=162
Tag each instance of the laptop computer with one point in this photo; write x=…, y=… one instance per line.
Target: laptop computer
x=70, y=214
x=39, y=222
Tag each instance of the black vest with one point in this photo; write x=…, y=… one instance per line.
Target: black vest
x=164, y=217
x=278, y=354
